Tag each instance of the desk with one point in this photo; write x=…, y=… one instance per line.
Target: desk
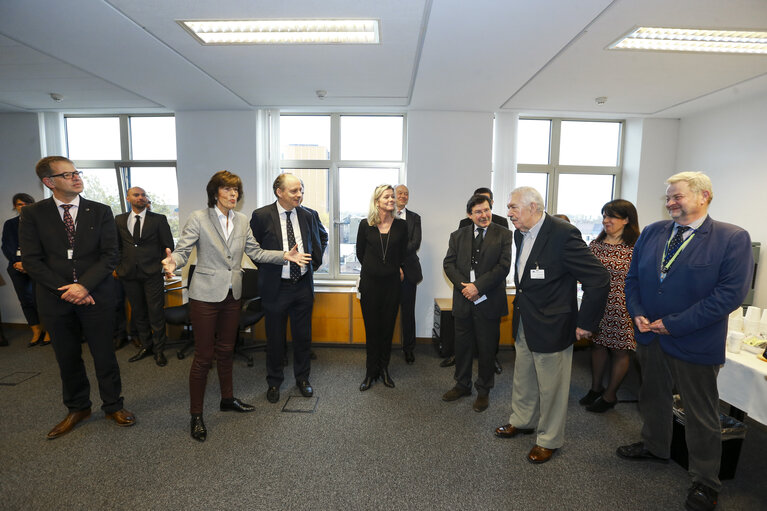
x=742, y=383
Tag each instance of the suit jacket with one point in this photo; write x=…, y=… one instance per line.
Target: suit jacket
x=11, y=240
x=147, y=254
x=492, y=268
x=708, y=280
x=44, y=246
x=265, y=224
x=219, y=260
x=497, y=219
x=412, y=265
x=549, y=306
x=320, y=241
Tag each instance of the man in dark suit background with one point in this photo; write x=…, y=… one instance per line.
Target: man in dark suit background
x=551, y=258
x=142, y=239
x=411, y=270
x=477, y=262
x=287, y=290
x=69, y=248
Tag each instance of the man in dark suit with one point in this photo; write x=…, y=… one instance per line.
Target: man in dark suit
x=287, y=290
x=477, y=262
x=551, y=258
x=142, y=239
x=411, y=271
x=69, y=248
x=687, y=274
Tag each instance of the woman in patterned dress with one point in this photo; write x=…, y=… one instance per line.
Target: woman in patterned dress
x=615, y=336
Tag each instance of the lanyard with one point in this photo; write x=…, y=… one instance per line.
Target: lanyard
x=664, y=269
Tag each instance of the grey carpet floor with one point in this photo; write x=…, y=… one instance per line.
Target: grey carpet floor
x=400, y=448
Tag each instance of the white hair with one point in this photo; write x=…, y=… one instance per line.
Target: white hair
x=529, y=196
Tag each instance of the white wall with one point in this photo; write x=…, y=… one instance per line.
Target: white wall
x=19, y=151
x=728, y=144
x=449, y=156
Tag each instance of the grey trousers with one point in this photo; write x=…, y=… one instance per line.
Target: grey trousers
x=700, y=397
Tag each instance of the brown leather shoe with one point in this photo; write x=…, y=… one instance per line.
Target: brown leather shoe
x=69, y=422
x=540, y=454
x=509, y=431
x=122, y=417
x=481, y=403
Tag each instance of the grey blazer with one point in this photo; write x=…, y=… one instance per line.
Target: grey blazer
x=219, y=260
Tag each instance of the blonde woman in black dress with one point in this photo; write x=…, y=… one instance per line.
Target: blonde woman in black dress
x=381, y=250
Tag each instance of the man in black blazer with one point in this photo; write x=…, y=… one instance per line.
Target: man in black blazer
x=477, y=262
x=69, y=248
x=142, y=239
x=411, y=270
x=551, y=259
x=287, y=290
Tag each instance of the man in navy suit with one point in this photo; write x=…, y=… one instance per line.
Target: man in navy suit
x=411, y=271
x=142, y=239
x=69, y=248
x=287, y=290
x=687, y=275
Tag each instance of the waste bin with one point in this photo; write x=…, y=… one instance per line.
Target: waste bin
x=733, y=433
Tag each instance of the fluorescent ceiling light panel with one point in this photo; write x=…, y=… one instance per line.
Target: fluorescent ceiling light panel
x=283, y=31
x=693, y=40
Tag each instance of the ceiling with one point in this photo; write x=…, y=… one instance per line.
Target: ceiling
x=544, y=57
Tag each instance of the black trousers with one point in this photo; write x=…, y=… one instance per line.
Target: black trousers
x=485, y=333
x=379, y=303
x=147, y=301
x=407, y=317
x=25, y=291
x=294, y=302
x=68, y=324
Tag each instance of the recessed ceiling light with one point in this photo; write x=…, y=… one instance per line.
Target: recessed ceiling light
x=693, y=40
x=217, y=32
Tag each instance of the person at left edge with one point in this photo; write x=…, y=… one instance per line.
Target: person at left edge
x=221, y=236
x=69, y=248
x=142, y=238
x=286, y=289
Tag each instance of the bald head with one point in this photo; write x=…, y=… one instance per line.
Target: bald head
x=137, y=199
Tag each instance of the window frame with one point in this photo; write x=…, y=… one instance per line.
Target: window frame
x=333, y=163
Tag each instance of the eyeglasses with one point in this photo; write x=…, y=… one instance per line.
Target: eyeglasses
x=68, y=175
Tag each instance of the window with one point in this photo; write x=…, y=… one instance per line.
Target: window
x=341, y=159
x=575, y=164
x=117, y=152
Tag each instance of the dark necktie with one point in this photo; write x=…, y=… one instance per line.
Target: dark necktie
x=69, y=224
x=295, y=270
x=675, y=243
x=476, y=246
x=137, y=229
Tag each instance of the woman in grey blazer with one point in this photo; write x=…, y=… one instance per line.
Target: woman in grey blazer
x=221, y=236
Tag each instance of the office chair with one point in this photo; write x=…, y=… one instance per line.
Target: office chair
x=250, y=315
x=179, y=315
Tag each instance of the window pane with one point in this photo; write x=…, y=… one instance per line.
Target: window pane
x=316, y=197
x=153, y=138
x=581, y=197
x=537, y=180
x=533, y=141
x=100, y=185
x=304, y=137
x=93, y=138
x=590, y=143
x=356, y=187
x=161, y=189
x=371, y=138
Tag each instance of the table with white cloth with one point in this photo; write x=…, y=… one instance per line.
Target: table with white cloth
x=742, y=384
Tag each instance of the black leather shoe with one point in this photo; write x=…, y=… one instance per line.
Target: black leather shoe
x=589, y=398
x=198, y=430
x=367, y=383
x=142, y=353
x=386, y=379
x=701, y=498
x=449, y=361
x=455, y=393
x=637, y=452
x=273, y=394
x=305, y=387
x=409, y=358
x=160, y=360
x=498, y=367
x=235, y=405
x=601, y=405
